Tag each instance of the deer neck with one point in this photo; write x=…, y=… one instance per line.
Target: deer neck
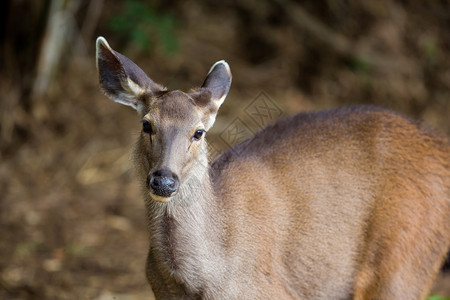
x=185, y=233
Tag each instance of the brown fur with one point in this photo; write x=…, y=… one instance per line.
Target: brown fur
x=345, y=203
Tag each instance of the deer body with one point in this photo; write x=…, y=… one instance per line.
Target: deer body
x=340, y=204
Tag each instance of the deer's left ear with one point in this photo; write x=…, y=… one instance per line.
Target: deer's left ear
x=213, y=91
x=121, y=79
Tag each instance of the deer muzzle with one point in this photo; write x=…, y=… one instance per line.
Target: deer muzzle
x=162, y=183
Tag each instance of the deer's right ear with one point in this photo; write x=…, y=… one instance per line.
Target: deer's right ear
x=121, y=79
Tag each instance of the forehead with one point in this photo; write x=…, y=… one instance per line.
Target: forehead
x=174, y=106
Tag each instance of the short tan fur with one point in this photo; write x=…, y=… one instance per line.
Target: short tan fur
x=348, y=203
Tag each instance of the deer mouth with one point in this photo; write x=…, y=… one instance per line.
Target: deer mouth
x=157, y=198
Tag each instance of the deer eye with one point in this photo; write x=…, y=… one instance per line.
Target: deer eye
x=198, y=134
x=146, y=127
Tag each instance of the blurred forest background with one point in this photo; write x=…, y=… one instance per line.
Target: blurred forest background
x=71, y=218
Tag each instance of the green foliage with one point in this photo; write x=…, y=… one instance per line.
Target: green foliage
x=361, y=65
x=146, y=26
x=436, y=297
x=430, y=49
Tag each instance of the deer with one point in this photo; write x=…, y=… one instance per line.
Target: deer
x=345, y=203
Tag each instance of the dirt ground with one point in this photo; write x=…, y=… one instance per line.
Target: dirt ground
x=71, y=217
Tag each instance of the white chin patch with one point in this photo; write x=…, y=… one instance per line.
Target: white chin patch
x=159, y=198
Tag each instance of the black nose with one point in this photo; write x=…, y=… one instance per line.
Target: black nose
x=163, y=182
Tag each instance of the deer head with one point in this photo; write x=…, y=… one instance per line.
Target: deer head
x=172, y=142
